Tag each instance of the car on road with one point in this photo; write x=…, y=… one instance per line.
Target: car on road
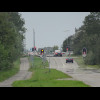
x=69, y=59
x=57, y=53
x=63, y=52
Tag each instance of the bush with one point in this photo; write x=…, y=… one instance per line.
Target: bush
x=4, y=61
x=97, y=50
x=90, y=59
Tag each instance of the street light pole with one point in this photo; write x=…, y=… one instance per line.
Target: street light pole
x=68, y=34
x=33, y=38
x=32, y=56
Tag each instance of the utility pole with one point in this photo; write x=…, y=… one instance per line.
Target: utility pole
x=33, y=38
x=32, y=56
x=67, y=35
x=68, y=44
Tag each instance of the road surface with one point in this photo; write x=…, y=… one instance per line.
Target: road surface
x=21, y=75
x=88, y=76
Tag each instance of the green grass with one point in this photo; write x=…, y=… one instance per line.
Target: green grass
x=44, y=74
x=37, y=64
x=81, y=63
x=41, y=77
x=8, y=73
x=49, y=83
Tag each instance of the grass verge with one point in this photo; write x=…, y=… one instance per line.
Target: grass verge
x=81, y=63
x=5, y=74
x=41, y=77
x=49, y=83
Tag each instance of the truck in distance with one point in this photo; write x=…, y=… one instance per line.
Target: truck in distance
x=57, y=53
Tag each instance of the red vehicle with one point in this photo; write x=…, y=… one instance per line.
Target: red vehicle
x=69, y=60
x=57, y=53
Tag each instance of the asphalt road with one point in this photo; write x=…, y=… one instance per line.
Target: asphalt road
x=23, y=74
x=88, y=76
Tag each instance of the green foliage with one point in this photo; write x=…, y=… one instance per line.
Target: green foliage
x=41, y=77
x=68, y=42
x=90, y=59
x=3, y=58
x=55, y=47
x=64, y=45
x=97, y=51
x=5, y=74
x=88, y=35
x=49, y=83
x=11, y=38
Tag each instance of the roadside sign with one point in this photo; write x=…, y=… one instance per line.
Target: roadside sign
x=35, y=48
x=67, y=49
x=84, y=52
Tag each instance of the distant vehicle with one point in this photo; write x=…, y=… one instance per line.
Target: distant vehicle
x=57, y=53
x=69, y=60
x=63, y=52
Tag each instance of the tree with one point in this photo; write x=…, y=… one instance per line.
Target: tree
x=11, y=38
x=97, y=51
x=18, y=24
x=55, y=48
x=68, y=42
x=88, y=35
x=64, y=45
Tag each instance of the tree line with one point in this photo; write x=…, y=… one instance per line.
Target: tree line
x=11, y=38
x=88, y=35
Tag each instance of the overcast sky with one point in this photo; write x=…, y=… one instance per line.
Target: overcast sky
x=50, y=26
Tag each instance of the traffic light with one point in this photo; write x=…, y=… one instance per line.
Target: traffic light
x=67, y=48
x=32, y=49
x=84, y=50
x=42, y=51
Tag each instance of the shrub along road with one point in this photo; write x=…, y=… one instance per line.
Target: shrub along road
x=23, y=74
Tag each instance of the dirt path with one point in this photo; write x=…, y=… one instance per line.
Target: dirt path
x=23, y=74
